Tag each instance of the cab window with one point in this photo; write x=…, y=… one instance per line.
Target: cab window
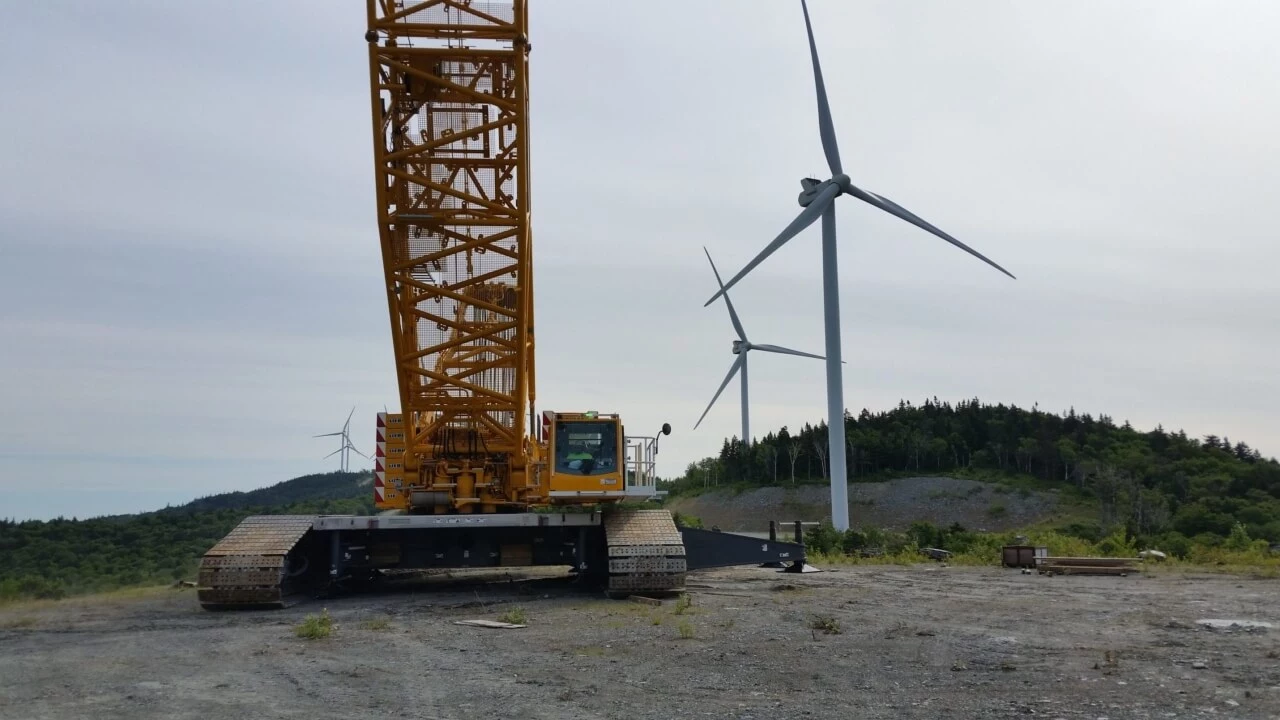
x=586, y=448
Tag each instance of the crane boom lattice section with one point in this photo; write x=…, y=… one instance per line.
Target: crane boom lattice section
x=449, y=81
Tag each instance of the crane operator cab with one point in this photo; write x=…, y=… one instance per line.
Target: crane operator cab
x=585, y=450
x=591, y=459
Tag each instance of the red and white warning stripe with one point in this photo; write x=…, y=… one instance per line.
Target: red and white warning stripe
x=388, y=460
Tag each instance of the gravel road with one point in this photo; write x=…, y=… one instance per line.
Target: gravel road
x=913, y=642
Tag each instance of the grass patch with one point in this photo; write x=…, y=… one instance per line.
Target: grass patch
x=683, y=603
x=377, y=625
x=984, y=549
x=110, y=597
x=825, y=625
x=686, y=630
x=315, y=627
x=515, y=616
x=1265, y=570
x=19, y=623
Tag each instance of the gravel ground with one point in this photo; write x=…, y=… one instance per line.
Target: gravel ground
x=913, y=642
x=892, y=504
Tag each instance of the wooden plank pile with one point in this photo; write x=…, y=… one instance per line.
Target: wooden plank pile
x=1086, y=566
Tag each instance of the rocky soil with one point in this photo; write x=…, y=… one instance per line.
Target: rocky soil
x=852, y=642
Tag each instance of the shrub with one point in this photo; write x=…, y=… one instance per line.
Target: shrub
x=853, y=541
x=822, y=538
x=315, y=627
x=689, y=521
x=1117, y=544
x=1238, y=539
x=683, y=603
x=1174, y=543
x=33, y=586
x=1206, y=540
x=1090, y=531
x=926, y=534
x=828, y=625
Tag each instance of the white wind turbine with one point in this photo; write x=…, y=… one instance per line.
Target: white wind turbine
x=818, y=199
x=344, y=459
x=741, y=347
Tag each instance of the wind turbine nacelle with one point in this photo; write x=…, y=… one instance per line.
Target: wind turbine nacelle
x=810, y=190
x=739, y=346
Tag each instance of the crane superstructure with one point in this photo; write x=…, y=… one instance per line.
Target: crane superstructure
x=449, y=86
x=466, y=474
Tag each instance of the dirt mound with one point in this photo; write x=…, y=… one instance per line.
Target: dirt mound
x=893, y=504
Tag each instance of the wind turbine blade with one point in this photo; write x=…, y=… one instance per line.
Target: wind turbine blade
x=348, y=422
x=327, y=434
x=897, y=210
x=825, y=126
x=802, y=221
x=786, y=351
x=733, y=315
x=335, y=452
x=733, y=370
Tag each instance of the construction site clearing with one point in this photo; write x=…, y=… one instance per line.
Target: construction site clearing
x=865, y=641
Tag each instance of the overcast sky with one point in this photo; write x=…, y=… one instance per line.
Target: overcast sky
x=190, y=284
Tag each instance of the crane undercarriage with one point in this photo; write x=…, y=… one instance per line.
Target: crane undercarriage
x=268, y=561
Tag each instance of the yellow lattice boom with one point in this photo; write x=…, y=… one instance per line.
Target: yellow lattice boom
x=449, y=81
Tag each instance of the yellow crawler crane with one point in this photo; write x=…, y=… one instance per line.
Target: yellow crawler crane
x=467, y=475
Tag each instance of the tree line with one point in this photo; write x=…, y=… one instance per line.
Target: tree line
x=1148, y=482
x=61, y=557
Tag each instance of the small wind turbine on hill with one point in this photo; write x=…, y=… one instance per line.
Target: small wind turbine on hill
x=817, y=197
x=345, y=449
x=741, y=347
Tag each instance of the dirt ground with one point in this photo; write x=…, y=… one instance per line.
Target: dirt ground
x=913, y=642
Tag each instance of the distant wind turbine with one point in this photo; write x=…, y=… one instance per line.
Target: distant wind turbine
x=741, y=347
x=344, y=450
x=818, y=199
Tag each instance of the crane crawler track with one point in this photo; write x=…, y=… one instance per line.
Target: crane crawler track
x=261, y=563
x=645, y=552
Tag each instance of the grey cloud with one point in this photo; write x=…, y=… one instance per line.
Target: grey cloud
x=190, y=280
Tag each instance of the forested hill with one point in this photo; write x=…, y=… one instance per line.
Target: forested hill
x=1150, y=482
x=308, y=488
x=59, y=557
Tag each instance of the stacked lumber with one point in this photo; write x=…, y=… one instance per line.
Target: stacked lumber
x=1086, y=566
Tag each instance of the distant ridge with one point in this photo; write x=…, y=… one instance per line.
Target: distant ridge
x=335, y=485
x=60, y=557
